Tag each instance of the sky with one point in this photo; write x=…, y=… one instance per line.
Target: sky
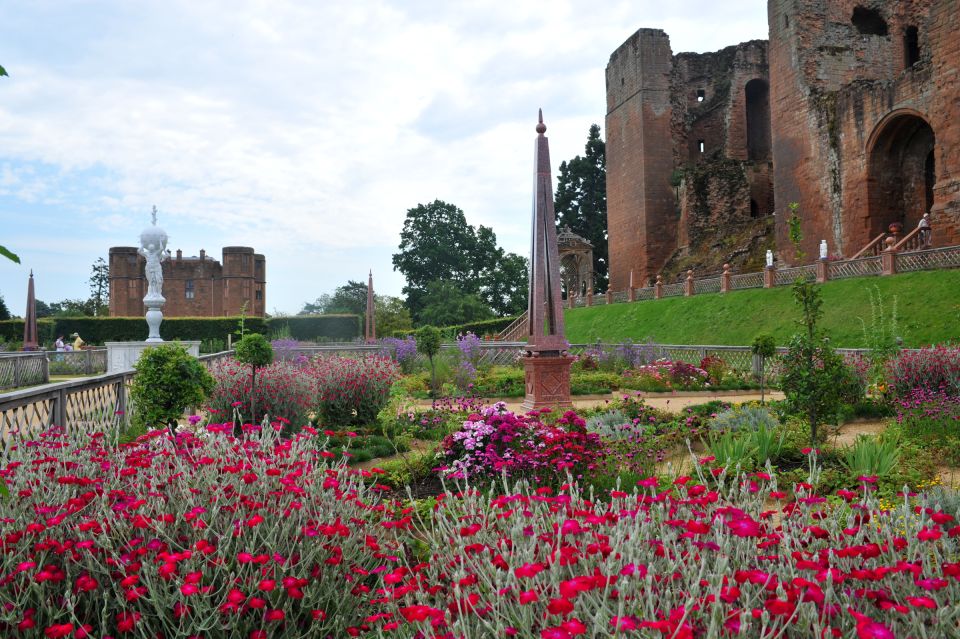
x=303, y=129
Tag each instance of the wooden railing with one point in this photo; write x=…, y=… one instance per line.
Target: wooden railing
x=873, y=247
x=23, y=369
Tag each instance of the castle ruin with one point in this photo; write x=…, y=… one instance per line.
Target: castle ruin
x=850, y=109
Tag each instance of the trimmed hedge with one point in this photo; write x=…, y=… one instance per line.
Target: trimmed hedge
x=485, y=327
x=319, y=327
x=97, y=330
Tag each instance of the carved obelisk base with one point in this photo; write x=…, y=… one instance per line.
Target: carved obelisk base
x=547, y=382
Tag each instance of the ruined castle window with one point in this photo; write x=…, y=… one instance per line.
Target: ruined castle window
x=259, y=295
x=188, y=290
x=911, y=46
x=701, y=95
x=869, y=21
x=701, y=146
x=929, y=180
x=757, y=94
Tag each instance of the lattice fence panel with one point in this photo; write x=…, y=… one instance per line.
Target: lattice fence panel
x=26, y=419
x=92, y=408
x=710, y=285
x=644, y=294
x=855, y=268
x=22, y=370
x=746, y=280
x=619, y=297
x=788, y=276
x=948, y=257
x=673, y=290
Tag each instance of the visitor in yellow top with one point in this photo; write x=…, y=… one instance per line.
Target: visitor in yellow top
x=78, y=342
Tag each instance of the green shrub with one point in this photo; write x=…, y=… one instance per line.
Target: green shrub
x=593, y=383
x=428, y=343
x=168, y=380
x=255, y=351
x=732, y=449
x=744, y=418
x=872, y=456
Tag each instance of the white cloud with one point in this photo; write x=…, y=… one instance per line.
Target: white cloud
x=295, y=126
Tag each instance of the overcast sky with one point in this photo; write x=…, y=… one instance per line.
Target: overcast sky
x=303, y=129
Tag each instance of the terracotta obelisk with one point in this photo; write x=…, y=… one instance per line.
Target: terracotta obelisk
x=30, y=342
x=546, y=363
x=370, y=330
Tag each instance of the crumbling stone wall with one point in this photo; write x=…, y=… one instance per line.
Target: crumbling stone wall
x=861, y=127
x=862, y=92
x=688, y=151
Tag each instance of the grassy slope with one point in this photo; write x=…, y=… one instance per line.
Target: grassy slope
x=928, y=308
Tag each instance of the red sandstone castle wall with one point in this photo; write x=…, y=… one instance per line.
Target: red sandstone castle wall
x=640, y=200
x=218, y=289
x=845, y=106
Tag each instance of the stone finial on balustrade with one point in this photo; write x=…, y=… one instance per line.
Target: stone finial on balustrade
x=658, y=288
x=888, y=259
x=632, y=292
x=725, y=279
x=609, y=296
x=571, y=302
x=589, y=297
x=688, y=284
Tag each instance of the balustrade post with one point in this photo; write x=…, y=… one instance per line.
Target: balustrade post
x=88, y=361
x=888, y=259
x=590, y=297
x=755, y=366
x=59, y=412
x=609, y=296
x=823, y=270
x=46, y=369
x=16, y=371
x=122, y=398
x=688, y=285
x=658, y=288
x=725, y=279
x=769, y=277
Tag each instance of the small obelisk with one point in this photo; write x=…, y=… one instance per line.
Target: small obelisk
x=30, y=342
x=370, y=330
x=546, y=363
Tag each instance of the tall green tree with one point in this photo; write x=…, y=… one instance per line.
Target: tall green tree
x=4, y=311
x=391, y=314
x=100, y=287
x=581, y=201
x=437, y=244
x=445, y=304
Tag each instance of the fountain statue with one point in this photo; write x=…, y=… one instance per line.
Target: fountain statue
x=153, y=247
x=121, y=356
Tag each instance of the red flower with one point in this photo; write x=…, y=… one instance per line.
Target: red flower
x=58, y=630
x=560, y=607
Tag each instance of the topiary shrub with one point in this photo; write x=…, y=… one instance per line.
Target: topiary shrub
x=168, y=380
x=428, y=343
x=254, y=350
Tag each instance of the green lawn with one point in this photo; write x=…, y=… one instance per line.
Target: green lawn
x=928, y=308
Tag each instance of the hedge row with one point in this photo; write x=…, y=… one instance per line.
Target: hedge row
x=97, y=330
x=485, y=327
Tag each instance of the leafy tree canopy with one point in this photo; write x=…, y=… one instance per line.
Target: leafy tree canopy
x=437, y=244
x=4, y=311
x=100, y=287
x=581, y=201
x=446, y=304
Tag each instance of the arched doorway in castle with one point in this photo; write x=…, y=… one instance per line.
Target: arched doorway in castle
x=902, y=172
x=757, y=94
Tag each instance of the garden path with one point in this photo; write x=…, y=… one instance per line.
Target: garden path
x=417, y=447
x=667, y=401
x=847, y=434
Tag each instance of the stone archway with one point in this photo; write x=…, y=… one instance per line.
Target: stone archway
x=902, y=172
x=576, y=263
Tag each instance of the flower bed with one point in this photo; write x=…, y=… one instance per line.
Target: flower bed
x=208, y=536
